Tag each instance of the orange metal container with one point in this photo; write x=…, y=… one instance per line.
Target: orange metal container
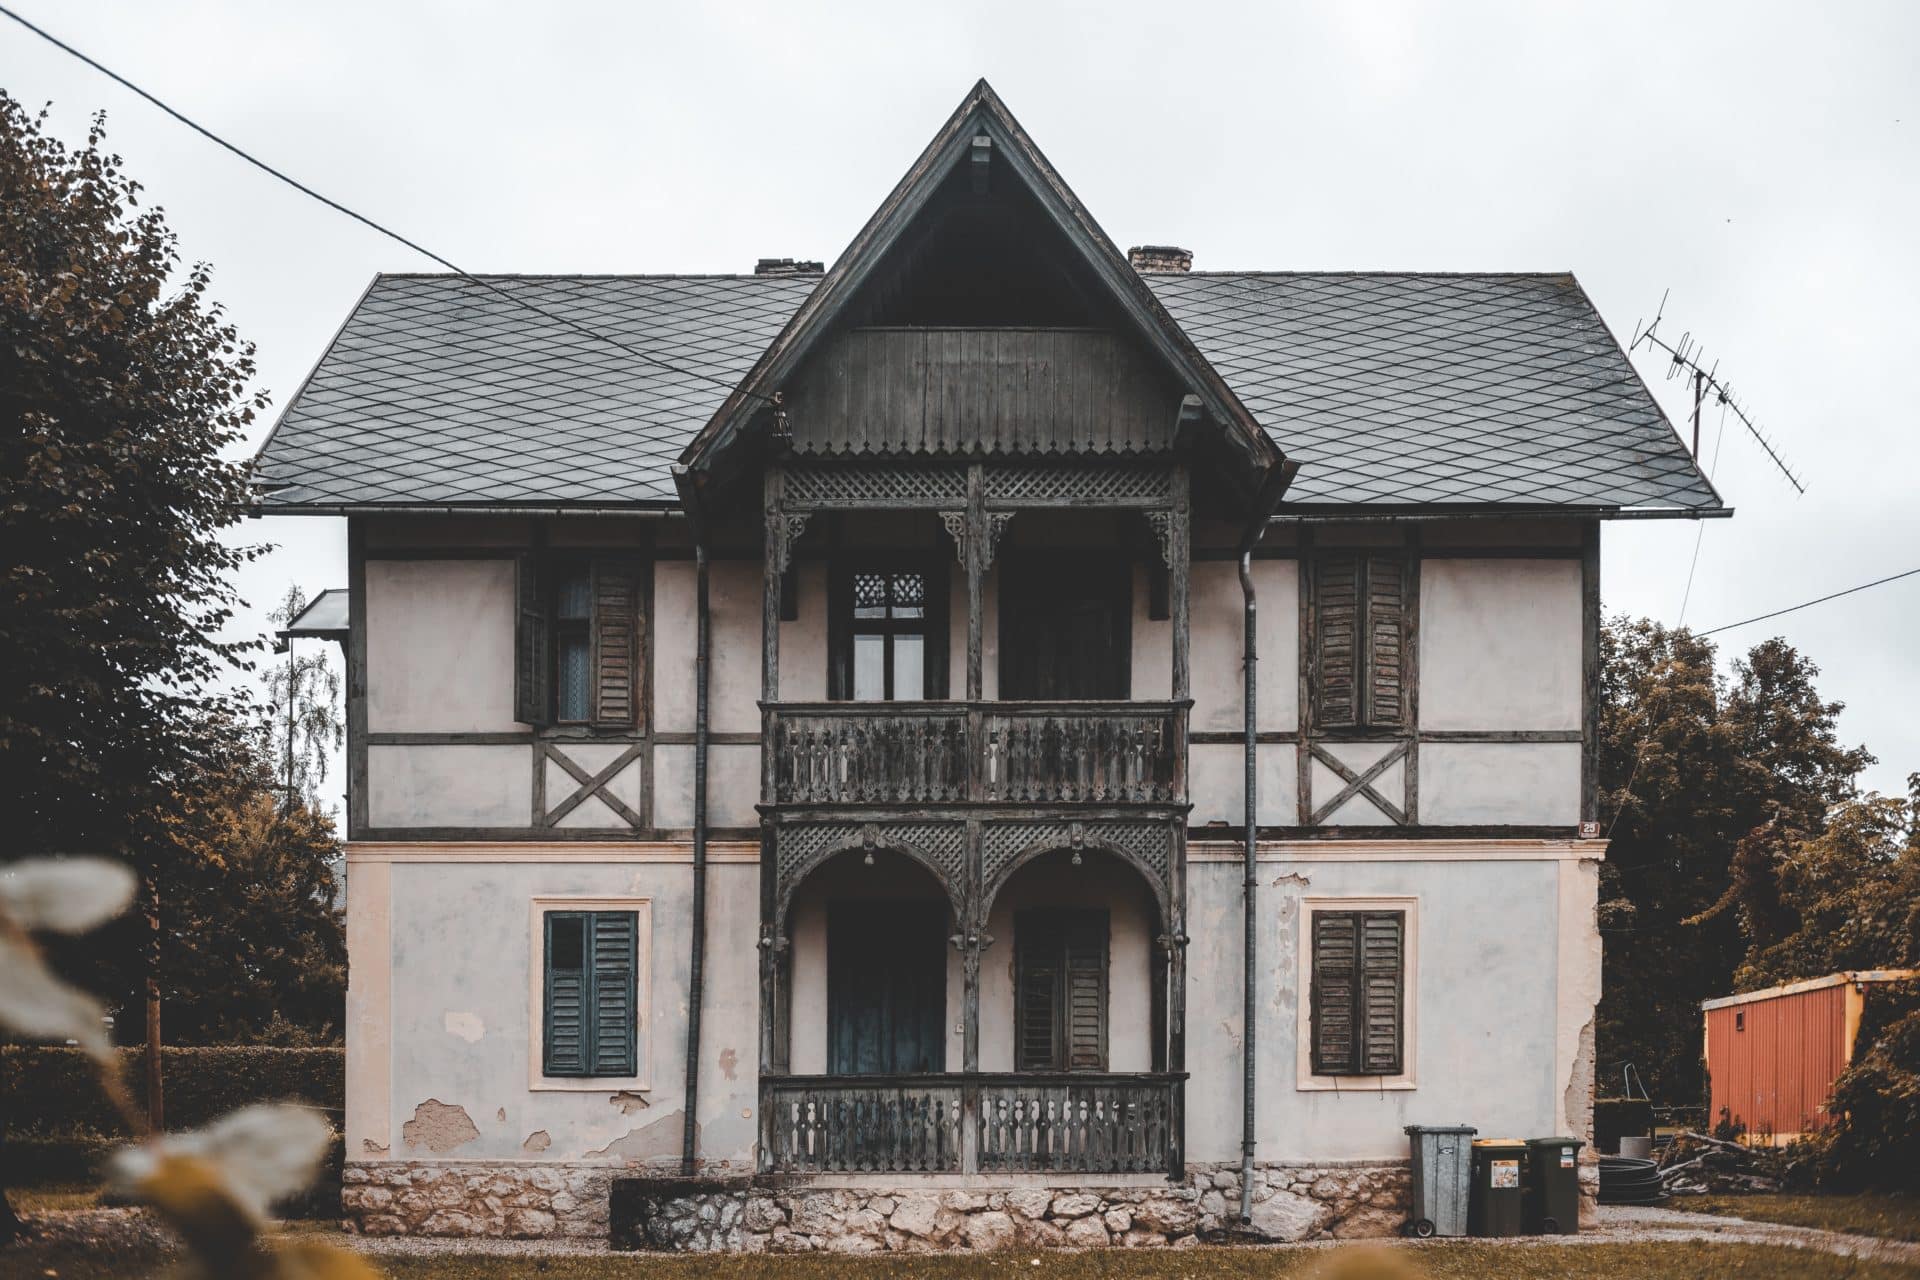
x=1773, y=1055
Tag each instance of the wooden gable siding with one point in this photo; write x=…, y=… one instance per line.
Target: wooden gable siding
x=981, y=391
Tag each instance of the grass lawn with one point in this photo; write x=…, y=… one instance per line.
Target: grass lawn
x=1445, y=1262
x=1892, y=1217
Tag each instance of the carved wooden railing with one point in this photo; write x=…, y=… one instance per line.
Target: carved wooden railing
x=1045, y=1122
x=891, y=753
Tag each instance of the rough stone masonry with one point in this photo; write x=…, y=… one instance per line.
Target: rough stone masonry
x=1291, y=1202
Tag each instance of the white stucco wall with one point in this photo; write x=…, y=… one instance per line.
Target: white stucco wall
x=1500, y=644
x=440, y=646
x=450, y=785
x=734, y=590
x=1500, y=783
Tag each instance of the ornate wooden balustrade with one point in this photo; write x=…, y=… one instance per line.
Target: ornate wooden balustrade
x=897, y=753
x=1031, y=1122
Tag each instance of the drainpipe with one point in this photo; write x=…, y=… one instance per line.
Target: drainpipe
x=696, y=965
x=1250, y=883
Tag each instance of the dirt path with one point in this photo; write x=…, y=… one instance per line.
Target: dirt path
x=1619, y=1223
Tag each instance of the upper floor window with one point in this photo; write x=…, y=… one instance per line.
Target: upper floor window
x=1065, y=626
x=1361, y=674
x=578, y=645
x=890, y=626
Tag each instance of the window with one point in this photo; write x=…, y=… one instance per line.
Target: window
x=590, y=967
x=1066, y=627
x=1357, y=994
x=1361, y=674
x=1060, y=992
x=890, y=629
x=1739, y=1019
x=578, y=643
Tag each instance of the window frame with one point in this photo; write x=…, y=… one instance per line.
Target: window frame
x=1059, y=923
x=843, y=627
x=1306, y=1079
x=1364, y=720
x=538, y=631
x=559, y=568
x=537, y=1079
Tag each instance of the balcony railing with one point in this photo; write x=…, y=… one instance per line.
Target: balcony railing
x=1029, y=1122
x=889, y=753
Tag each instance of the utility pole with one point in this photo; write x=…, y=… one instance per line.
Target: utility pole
x=156, y=1108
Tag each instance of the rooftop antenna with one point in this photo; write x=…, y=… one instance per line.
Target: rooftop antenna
x=1685, y=360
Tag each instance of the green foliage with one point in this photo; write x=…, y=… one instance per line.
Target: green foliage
x=1693, y=768
x=202, y=1083
x=304, y=725
x=1877, y=1100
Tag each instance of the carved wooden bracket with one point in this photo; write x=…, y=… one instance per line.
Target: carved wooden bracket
x=957, y=527
x=783, y=530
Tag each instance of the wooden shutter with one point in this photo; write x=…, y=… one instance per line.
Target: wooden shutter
x=616, y=643
x=532, y=656
x=615, y=946
x=1386, y=642
x=1085, y=995
x=1336, y=627
x=565, y=1042
x=1382, y=974
x=1037, y=999
x=1335, y=982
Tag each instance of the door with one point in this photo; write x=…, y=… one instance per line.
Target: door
x=1065, y=627
x=886, y=987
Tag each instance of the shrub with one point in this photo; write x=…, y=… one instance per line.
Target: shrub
x=1876, y=1101
x=54, y=1093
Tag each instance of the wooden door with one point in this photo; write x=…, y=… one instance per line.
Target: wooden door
x=1065, y=627
x=886, y=987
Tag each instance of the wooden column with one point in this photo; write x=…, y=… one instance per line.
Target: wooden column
x=1179, y=567
x=1177, y=1000
x=973, y=543
x=769, y=988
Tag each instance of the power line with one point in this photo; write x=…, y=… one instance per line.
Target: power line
x=363, y=219
x=1808, y=604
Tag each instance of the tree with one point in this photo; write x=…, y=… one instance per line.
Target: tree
x=1697, y=773
x=303, y=722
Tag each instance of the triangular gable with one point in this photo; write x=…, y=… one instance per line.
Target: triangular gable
x=983, y=114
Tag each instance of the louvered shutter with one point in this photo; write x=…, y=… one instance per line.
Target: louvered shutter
x=1337, y=640
x=1086, y=991
x=532, y=661
x=615, y=944
x=616, y=643
x=565, y=1042
x=1036, y=1047
x=1386, y=642
x=1382, y=970
x=1335, y=952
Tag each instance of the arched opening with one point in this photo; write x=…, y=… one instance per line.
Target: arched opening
x=1075, y=979
x=873, y=976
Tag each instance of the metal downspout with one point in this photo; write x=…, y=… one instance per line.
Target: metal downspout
x=1250, y=887
x=696, y=965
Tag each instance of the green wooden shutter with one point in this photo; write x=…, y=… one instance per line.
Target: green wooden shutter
x=1382, y=983
x=615, y=962
x=1387, y=674
x=532, y=657
x=616, y=643
x=1085, y=1012
x=566, y=1039
x=1336, y=641
x=1335, y=983
x=1036, y=1044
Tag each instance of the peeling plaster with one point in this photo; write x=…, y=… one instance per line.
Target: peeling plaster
x=1292, y=878
x=439, y=1127
x=500, y=1114
x=467, y=1026
x=1578, y=1098
x=729, y=1063
x=628, y=1102
x=654, y=1140
x=373, y=1148
x=537, y=1141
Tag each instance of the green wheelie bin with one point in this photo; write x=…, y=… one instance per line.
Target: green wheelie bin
x=1494, y=1207
x=1552, y=1200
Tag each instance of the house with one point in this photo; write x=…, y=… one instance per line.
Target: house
x=1772, y=1055
x=999, y=741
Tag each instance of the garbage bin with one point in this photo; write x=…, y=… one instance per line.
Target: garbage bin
x=1495, y=1207
x=1552, y=1201
x=1442, y=1172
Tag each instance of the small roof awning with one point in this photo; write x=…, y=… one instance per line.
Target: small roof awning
x=325, y=617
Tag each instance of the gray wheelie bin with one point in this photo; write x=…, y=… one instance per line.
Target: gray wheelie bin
x=1442, y=1176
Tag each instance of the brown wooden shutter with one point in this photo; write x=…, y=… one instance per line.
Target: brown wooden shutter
x=1035, y=1045
x=1335, y=953
x=1085, y=1012
x=532, y=655
x=616, y=643
x=1387, y=674
x=1383, y=979
x=1336, y=647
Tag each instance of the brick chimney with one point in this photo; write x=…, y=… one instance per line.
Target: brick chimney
x=1160, y=258
x=786, y=267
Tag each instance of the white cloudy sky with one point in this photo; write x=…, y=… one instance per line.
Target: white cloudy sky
x=1762, y=161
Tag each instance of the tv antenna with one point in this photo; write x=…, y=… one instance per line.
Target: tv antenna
x=1684, y=361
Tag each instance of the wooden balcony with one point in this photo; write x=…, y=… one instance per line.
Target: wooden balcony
x=1029, y=1122
x=931, y=753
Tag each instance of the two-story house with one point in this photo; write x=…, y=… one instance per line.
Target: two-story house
x=999, y=741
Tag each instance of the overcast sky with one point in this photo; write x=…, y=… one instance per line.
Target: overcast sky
x=1761, y=161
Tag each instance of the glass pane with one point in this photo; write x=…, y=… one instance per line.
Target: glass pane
x=575, y=598
x=869, y=670
x=909, y=667
x=576, y=654
x=566, y=942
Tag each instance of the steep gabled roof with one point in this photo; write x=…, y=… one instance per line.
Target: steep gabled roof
x=981, y=115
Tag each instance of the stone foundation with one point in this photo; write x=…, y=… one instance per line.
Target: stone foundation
x=532, y=1201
